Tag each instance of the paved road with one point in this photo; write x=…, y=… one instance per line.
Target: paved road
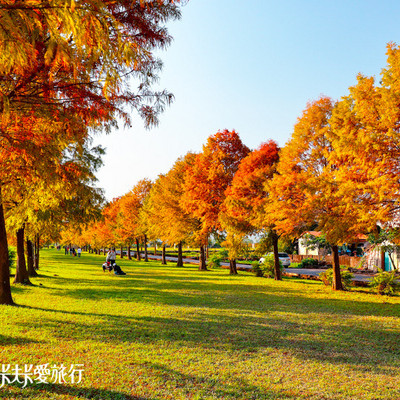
x=299, y=272
x=316, y=272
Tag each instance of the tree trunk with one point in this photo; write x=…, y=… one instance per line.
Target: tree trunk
x=232, y=267
x=180, y=257
x=137, y=249
x=5, y=287
x=122, y=252
x=21, y=275
x=277, y=265
x=146, y=258
x=163, y=258
x=129, y=252
x=29, y=252
x=202, y=260
x=37, y=248
x=336, y=278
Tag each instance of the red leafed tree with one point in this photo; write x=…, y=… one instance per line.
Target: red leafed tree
x=244, y=206
x=208, y=178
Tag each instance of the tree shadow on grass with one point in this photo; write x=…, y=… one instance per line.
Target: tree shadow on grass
x=12, y=341
x=224, y=295
x=364, y=348
x=44, y=391
x=192, y=385
x=18, y=288
x=205, y=292
x=207, y=386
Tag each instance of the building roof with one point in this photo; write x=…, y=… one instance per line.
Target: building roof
x=313, y=233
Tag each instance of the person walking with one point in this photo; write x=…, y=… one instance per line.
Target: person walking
x=79, y=251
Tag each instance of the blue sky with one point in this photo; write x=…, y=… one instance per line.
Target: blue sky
x=251, y=66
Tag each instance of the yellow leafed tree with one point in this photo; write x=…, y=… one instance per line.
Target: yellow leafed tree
x=305, y=190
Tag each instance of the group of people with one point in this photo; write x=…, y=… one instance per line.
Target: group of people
x=111, y=264
x=72, y=251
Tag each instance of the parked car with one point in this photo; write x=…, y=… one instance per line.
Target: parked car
x=283, y=258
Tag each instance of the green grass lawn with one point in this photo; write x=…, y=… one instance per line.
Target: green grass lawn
x=163, y=332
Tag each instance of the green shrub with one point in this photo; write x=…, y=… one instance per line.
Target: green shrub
x=385, y=283
x=347, y=278
x=214, y=261
x=308, y=263
x=11, y=257
x=255, y=267
x=224, y=253
x=327, y=277
x=268, y=266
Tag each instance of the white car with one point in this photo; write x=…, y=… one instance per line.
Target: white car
x=283, y=258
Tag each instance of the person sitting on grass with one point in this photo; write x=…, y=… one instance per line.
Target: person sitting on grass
x=107, y=266
x=110, y=263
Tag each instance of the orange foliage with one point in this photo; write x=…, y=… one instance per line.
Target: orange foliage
x=304, y=190
x=163, y=214
x=247, y=195
x=210, y=175
x=366, y=126
x=130, y=206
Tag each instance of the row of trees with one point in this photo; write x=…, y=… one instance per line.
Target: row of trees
x=221, y=191
x=339, y=171
x=188, y=204
x=67, y=70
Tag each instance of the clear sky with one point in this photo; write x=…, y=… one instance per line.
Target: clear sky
x=251, y=66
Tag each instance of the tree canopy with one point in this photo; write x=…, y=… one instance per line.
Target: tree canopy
x=66, y=69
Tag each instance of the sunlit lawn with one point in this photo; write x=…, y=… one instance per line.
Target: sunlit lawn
x=178, y=333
